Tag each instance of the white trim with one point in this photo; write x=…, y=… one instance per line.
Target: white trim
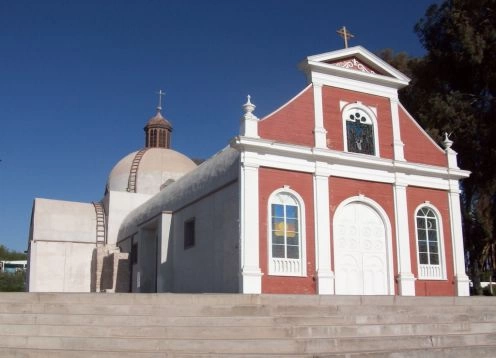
x=362, y=54
x=372, y=115
x=461, y=279
x=287, y=267
x=320, y=132
x=398, y=144
x=287, y=103
x=406, y=279
x=291, y=154
x=323, y=264
x=250, y=273
x=441, y=275
x=349, y=83
x=387, y=226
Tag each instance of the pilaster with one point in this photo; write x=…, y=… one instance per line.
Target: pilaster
x=406, y=280
x=250, y=274
x=319, y=132
x=461, y=279
x=325, y=276
x=397, y=142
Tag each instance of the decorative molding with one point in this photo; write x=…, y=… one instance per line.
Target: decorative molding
x=353, y=64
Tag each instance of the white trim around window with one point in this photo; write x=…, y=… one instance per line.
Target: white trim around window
x=431, y=258
x=370, y=118
x=286, y=237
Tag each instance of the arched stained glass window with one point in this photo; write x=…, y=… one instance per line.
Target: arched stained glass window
x=359, y=132
x=285, y=235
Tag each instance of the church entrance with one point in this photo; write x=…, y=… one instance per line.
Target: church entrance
x=360, y=251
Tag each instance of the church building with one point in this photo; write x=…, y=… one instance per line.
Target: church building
x=339, y=191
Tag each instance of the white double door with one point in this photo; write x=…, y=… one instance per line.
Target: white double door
x=360, y=251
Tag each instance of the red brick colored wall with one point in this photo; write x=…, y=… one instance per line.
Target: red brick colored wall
x=341, y=189
x=293, y=122
x=269, y=181
x=333, y=120
x=439, y=199
x=418, y=147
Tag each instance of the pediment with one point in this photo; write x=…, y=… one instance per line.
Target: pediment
x=355, y=63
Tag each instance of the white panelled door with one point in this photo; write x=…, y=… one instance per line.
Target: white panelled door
x=360, y=251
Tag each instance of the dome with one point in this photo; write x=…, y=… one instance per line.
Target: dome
x=145, y=171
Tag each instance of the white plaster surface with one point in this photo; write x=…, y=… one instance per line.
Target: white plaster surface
x=156, y=167
x=60, y=267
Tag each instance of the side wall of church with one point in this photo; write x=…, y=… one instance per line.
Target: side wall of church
x=211, y=264
x=439, y=200
x=341, y=189
x=302, y=183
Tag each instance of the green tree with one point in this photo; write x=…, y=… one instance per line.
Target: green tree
x=453, y=90
x=12, y=281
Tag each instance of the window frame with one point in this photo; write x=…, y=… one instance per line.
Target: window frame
x=430, y=271
x=278, y=266
x=189, y=233
x=371, y=115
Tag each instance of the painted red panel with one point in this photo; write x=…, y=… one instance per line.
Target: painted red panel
x=269, y=181
x=341, y=189
x=439, y=199
x=418, y=146
x=333, y=123
x=292, y=123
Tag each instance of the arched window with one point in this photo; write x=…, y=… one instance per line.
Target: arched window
x=286, y=236
x=429, y=244
x=359, y=129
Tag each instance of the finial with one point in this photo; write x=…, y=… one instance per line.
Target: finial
x=345, y=35
x=160, y=94
x=447, y=142
x=248, y=106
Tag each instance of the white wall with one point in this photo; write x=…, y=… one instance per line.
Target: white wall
x=60, y=266
x=118, y=205
x=212, y=265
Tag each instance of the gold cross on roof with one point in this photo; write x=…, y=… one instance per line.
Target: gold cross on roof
x=345, y=35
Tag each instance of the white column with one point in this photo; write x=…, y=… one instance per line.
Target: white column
x=251, y=275
x=461, y=279
x=325, y=276
x=397, y=142
x=406, y=280
x=319, y=131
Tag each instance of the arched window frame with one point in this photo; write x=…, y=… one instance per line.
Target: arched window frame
x=370, y=116
x=431, y=271
x=287, y=266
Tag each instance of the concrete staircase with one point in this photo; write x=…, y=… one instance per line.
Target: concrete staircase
x=225, y=325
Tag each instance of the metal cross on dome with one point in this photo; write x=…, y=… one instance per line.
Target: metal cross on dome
x=160, y=94
x=345, y=34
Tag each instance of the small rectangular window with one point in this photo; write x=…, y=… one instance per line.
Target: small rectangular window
x=189, y=233
x=134, y=253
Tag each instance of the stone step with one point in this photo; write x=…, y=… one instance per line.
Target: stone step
x=245, y=331
x=237, y=299
x=246, y=320
x=249, y=346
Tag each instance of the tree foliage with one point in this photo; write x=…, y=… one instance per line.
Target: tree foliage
x=11, y=255
x=453, y=90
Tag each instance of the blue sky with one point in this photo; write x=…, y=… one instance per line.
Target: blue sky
x=78, y=80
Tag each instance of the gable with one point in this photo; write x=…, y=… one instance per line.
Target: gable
x=293, y=122
x=419, y=147
x=354, y=63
